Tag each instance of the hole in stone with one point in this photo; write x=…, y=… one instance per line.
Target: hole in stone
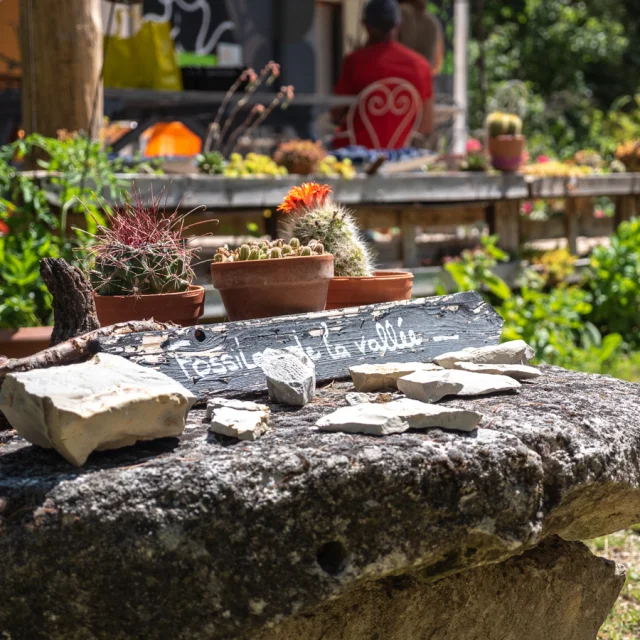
x=199, y=335
x=332, y=558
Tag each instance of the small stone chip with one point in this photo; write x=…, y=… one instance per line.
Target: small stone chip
x=515, y=371
x=431, y=386
x=514, y=352
x=396, y=417
x=238, y=423
x=243, y=405
x=373, y=377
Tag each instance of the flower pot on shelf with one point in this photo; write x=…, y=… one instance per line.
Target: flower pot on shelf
x=383, y=286
x=184, y=308
x=274, y=287
x=507, y=152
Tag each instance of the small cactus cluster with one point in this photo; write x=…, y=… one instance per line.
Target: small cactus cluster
x=211, y=163
x=313, y=214
x=265, y=250
x=503, y=124
x=140, y=252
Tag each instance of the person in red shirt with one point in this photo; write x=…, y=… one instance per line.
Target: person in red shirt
x=383, y=57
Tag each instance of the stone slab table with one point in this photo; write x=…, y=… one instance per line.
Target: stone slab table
x=309, y=535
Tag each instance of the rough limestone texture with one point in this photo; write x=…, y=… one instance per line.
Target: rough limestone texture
x=200, y=538
x=557, y=591
x=378, y=419
x=374, y=377
x=515, y=371
x=238, y=423
x=431, y=386
x=106, y=403
x=291, y=376
x=514, y=352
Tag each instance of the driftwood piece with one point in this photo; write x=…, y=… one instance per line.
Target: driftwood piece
x=224, y=358
x=74, y=311
x=76, y=349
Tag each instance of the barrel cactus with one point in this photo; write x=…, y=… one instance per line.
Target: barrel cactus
x=313, y=214
x=503, y=124
x=140, y=251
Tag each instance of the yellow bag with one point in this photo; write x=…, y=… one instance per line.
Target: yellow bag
x=145, y=59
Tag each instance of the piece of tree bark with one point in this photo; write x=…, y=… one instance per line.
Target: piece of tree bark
x=61, y=50
x=74, y=310
x=76, y=349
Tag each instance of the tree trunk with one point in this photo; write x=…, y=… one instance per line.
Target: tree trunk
x=61, y=48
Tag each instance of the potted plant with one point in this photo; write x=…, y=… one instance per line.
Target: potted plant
x=264, y=279
x=628, y=154
x=313, y=214
x=140, y=267
x=505, y=141
x=300, y=156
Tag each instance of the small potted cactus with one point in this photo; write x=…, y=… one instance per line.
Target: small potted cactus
x=140, y=267
x=313, y=214
x=262, y=279
x=505, y=141
x=300, y=156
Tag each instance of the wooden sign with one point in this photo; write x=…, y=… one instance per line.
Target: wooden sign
x=224, y=359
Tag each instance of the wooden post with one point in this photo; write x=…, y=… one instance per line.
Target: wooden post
x=503, y=219
x=409, y=241
x=626, y=208
x=61, y=49
x=571, y=215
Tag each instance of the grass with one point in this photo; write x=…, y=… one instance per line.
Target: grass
x=623, y=622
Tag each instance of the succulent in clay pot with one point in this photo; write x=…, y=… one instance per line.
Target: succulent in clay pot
x=300, y=156
x=506, y=144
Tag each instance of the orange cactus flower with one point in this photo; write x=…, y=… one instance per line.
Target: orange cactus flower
x=306, y=196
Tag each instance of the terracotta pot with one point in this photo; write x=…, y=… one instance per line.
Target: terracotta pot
x=383, y=286
x=506, y=152
x=182, y=308
x=20, y=343
x=266, y=288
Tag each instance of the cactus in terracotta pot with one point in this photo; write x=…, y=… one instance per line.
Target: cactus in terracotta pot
x=300, y=156
x=505, y=141
x=263, y=250
x=315, y=215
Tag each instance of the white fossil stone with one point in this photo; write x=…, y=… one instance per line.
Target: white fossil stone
x=239, y=423
x=243, y=405
x=380, y=419
x=105, y=403
x=514, y=352
x=373, y=377
x=291, y=376
x=515, y=371
x=431, y=386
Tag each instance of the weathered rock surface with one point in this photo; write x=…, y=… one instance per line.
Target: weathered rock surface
x=378, y=419
x=106, y=403
x=514, y=352
x=197, y=539
x=230, y=403
x=238, y=423
x=515, y=371
x=291, y=376
x=374, y=377
x=431, y=386
x=557, y=591
x=358, y=398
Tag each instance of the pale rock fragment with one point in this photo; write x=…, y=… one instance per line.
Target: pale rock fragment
x=239, y=423
x=396, y=417
x=243, y=405
x=514, y=352
x=515, y=371
x=105, y=403
x=431, y=386
x=373, y=377
x=291, y=376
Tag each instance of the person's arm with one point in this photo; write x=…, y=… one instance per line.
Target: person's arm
x=426, y=126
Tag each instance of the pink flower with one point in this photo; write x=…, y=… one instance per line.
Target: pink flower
x=473, y=145
x=599, y=213
x=526, y=208
x=542, y=159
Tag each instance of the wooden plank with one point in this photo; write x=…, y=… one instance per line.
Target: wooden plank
x=222, y=359
x=409, y=234
x=571, y=216
x=504, y=220
x=626, y=208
